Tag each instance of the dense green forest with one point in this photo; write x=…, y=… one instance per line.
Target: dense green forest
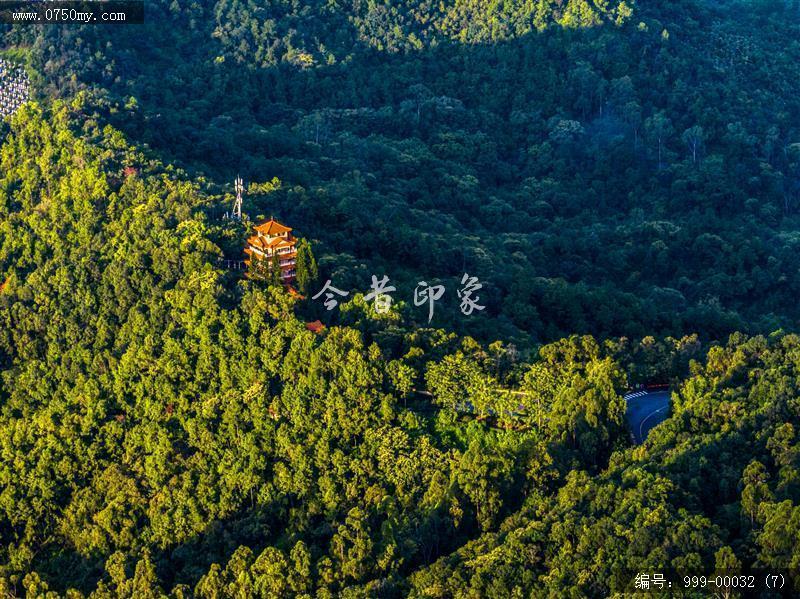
x=644, y=161
x=623, y=178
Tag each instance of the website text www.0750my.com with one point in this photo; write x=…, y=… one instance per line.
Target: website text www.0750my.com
x=124, y=12
x=66, y=15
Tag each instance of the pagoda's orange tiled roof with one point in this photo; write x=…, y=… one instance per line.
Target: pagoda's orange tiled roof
x=272, y=227
x=278, y=242
x=255, y=242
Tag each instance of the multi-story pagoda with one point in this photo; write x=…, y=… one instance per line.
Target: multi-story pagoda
x=274, y=239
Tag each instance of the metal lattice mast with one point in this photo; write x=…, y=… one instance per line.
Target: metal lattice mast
x=238, y=186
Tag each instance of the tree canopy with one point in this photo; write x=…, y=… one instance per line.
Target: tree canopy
x=622, y=178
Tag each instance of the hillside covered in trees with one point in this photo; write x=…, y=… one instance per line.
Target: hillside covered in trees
x=643, y=159
x=624, y=179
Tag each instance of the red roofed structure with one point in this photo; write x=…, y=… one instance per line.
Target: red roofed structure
x=272, y=228
x=274, y=239
x=315, y=327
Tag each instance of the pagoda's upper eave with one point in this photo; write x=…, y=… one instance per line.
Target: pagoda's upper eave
x=272, y=227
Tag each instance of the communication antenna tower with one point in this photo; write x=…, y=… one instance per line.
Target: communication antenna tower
x=238, y=187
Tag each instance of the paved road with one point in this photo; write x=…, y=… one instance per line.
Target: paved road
x=645, y=411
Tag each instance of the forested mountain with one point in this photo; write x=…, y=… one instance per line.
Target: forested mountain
x=623, y=178
x=650, y=164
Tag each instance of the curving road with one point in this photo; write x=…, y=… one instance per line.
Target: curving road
x=645, y=410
